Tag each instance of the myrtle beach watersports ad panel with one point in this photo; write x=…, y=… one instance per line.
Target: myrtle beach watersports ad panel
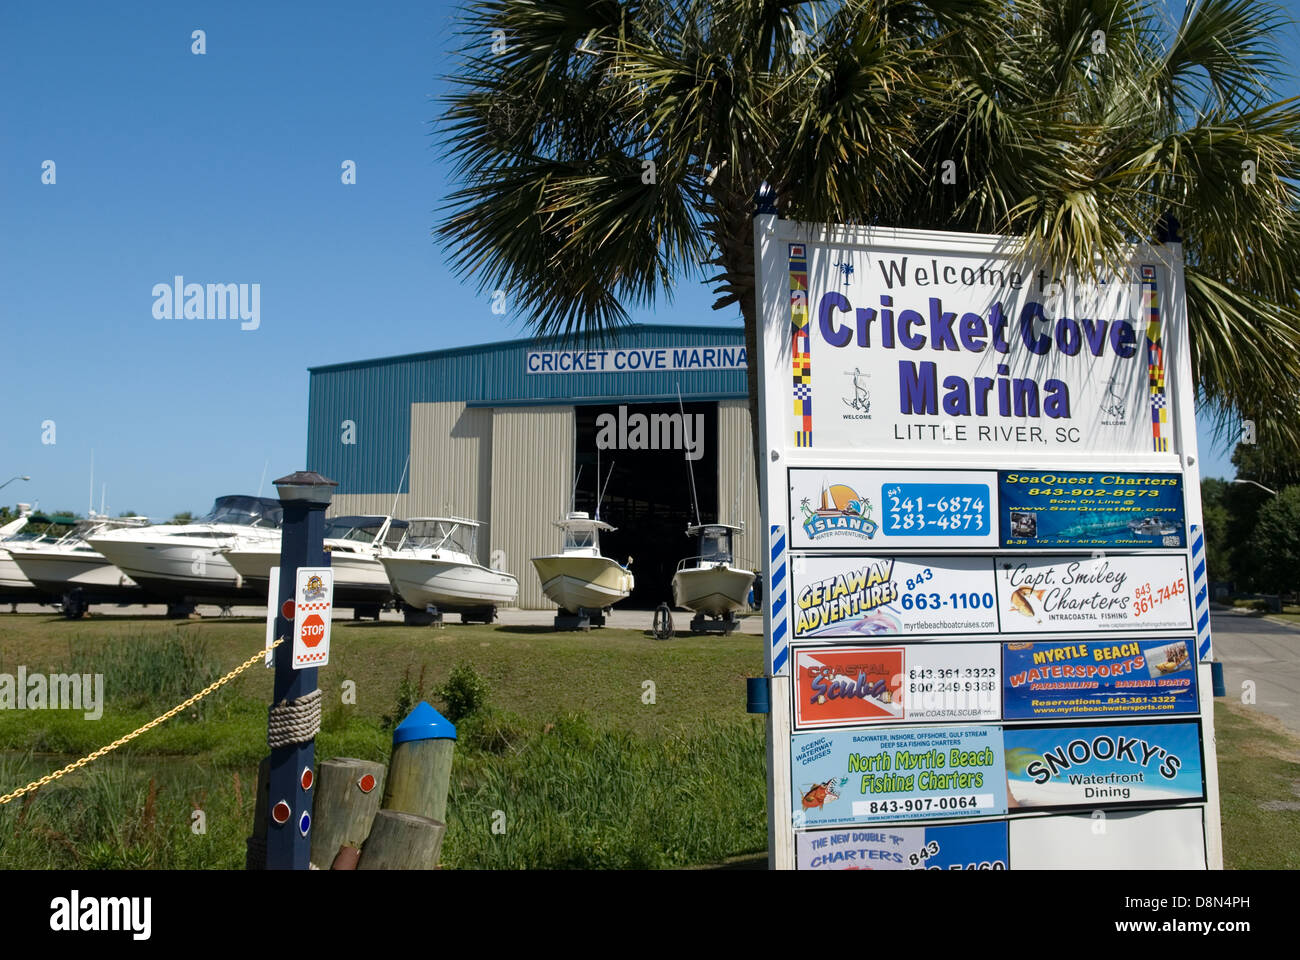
x=970, y=353
x=934, y=683
x=893, y=508
x=1097, y=510
x=960, y=846
x=864, y=597
x=1099, y=678
x=869, y=776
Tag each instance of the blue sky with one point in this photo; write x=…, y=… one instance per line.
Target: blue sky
x=221, y=168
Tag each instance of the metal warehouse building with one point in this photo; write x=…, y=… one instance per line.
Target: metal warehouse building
x=510, y=434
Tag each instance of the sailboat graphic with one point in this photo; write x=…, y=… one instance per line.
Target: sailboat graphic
x=1113, y=405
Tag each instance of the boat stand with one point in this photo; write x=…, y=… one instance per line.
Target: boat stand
x=430, y=616
x=703, y=623
x=584, y=619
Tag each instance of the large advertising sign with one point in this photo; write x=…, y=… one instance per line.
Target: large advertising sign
x=1091, y=509
x=1140, y=763
x=891, y=509
x=985, y=584
x=875, y=596
x=1074, y=594
x=1091, y=678
x=961, y=846
x=855, y=685
x=898, y=774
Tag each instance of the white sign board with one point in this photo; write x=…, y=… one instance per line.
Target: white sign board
x=313, y=602
x=272, y=611
x=971, y=460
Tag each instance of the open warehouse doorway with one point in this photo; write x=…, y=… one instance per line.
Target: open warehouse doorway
x=653, y=449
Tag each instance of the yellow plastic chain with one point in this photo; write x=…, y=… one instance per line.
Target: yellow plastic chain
x=50, y=778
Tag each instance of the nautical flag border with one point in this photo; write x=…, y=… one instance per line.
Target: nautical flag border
x=778, y=594
x=1156, y=363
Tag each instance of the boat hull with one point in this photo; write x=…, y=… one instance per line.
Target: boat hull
x=583, y=583
x=15, y=587
x=358, y=579
x=57, y=571
x=179, y=571
x=715, y=590
x=448, y=584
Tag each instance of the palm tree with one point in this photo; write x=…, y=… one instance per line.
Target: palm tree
x=605, y=151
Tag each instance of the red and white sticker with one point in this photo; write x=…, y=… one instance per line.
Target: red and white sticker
x=313, y=599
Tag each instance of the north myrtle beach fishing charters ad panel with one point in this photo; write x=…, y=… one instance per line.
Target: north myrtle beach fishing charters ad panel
x=984, y=600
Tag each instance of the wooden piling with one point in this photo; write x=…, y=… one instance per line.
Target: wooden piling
x=344, y=809
x=419, y=775
x=402, y=841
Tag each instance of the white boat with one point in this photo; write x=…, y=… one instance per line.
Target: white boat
x=14, y=585
x=70, y=569
x=183, y=563
x=353, y=544
x=434, y=565
x=579, y=578
x=711, y=583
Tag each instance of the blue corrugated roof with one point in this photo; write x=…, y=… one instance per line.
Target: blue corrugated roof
x=376, y=395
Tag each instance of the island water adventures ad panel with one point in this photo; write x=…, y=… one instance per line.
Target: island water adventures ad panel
x=897, y=509
x=1091, y=510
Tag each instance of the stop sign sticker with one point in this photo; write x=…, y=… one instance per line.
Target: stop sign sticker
x=313, y=600
x=313, y=630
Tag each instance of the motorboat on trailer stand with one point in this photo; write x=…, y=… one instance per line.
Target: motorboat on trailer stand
x=711, y=583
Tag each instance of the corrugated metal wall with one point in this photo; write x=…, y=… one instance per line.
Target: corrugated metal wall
x=532, y=472
x=451, y=464
x=367, y=504
x=737, y=485
x=376, y=396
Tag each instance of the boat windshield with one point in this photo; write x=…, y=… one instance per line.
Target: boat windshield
x=360, y=529
x=396, y=530
x=715, y=545
x=441, y=535
x=245, y=512
x=579, y=539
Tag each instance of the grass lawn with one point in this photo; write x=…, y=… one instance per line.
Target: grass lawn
x=606, y=749
x=602, y=749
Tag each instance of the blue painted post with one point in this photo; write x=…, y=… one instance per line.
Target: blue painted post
x=305, y=496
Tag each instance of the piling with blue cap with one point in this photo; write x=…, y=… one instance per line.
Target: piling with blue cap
x=419, y=772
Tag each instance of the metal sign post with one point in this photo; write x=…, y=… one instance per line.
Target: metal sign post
x=295, y=710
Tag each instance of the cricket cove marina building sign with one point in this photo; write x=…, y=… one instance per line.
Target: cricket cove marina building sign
x=986, y=609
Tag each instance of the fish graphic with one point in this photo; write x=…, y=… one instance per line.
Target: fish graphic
x=1020, y=602
x=820, y=794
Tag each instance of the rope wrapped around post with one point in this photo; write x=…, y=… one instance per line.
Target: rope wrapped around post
x=293, y=721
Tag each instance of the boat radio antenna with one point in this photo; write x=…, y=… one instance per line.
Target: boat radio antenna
x=392, y=511
x=573, y=494
x=690, y=464
x=600, y=497
x=262, y=483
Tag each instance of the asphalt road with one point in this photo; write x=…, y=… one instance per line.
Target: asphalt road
x=1264, y=652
